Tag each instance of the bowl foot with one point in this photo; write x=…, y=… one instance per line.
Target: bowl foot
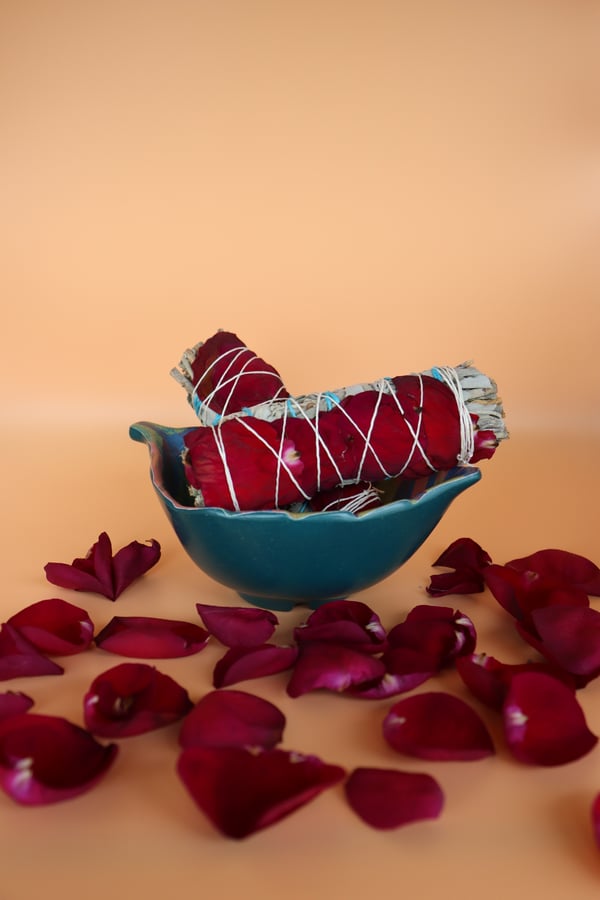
x=283, y=605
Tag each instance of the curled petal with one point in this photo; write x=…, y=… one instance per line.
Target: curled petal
x=562, y=566
x=437, y=726
x=102, y=573
x=146, y=637
x=488, y=679
x=568, y=636
x=243, y=663
x=596, y=819
x=544, y=724
x=438, y=633
x=348, y=622
x=18, y=656
x=55, y=626
x=522, y=592
x=13, y=702
x=133, y=698
x=405, y=669
x=242, y=792
x=388, y=798
x=232, y=719
x=468, y=559
x=332, y=667
x=45, y=759
x=238, y=626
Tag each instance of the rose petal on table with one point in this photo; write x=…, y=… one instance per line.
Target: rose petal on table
x=437, y=632
x=569, y=636
x=243, y=663
x=19, y=658
x=437, y=726
x=519, y=593
x=405, y=669
x=102, y=573
x=488, y=679
x=14, y=702
x=468, y=559
x=348, y=622
x=148, y=637
x=243, y=791
x=45, y=759
x=332, y=667
x=237, y=626
x=133, y=698
x=596, y=819
x=544, y=724
x=561, y=565
x=55, y=626
x=389, y=798
x=227, y=718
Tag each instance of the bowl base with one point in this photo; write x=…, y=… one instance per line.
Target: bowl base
x=283, y=605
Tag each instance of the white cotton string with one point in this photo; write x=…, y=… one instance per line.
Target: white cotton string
x=355, y=502
x=414, y=432
x=467, y=430
x=278, y=456
x=233, y=380
x=320, y=444
x=220, y=444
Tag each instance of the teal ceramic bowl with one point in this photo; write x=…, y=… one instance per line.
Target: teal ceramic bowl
x=278, y=560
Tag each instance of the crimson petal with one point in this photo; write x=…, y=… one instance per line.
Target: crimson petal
x=522, y=592
x=569, y=636
x=468, y=559
x=388, y=798
x=18, y=656
x=348, y=622
x=405, y=669
x=488, y=679
x=570, y=568
x=332, y=667
x=232, y=719
x=242, y=792
x=45, y=759
x=14, y=702
x=55, y=626
x=146, y=637
x=437, y=726
x=238, y=626
x=438, y=633
x=102, y=573
x=133, y=698
x=243, y=663
x=544, y=724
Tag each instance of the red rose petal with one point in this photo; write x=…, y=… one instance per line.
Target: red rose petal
x=13, y=703
x=388, y=798
x=243, y=663
x=232, y=719
x=45, y=759
x=561, y=565
x=19, y=658
x=488, y=679
x=133, y=698
x=438, y=633
x=348, y=622
x=596, y=819
x=468, y=559
x=146, y=637
x=238, y=626
x=569, y=636
x=405, y=669
x=102, y=573
x=55, y=626
x=437, y=726
x=522, y=592
x=544, y=724
x=242, y=792
x=332, y=667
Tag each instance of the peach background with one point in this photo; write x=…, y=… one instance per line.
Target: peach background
x=357, y=189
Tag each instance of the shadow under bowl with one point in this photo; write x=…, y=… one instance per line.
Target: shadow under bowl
x=278, y=560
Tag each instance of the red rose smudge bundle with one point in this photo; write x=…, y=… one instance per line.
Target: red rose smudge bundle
x=336, y=446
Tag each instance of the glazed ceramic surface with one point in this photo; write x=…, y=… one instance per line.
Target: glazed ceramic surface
x=276, y=559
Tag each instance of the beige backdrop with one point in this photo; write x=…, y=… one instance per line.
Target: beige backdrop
x=357, y=189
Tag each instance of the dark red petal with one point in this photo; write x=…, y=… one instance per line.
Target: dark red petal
x=44, y=759
x=488, y=679
x=405, y=669
x=18, y=656
x=464, y=553
x=388, y=798
x=14, y=702
x=437, y=726
x=436, y=632
x=237, y=626
x=561, y=565
x=332, y=667
x=596, y=819
x=461, y=581
x=151, y=638
x=544, y=724
x=569, y=636
x=242, y=792
x=232, y=719
x=522, y=592
x=55, y=626
x=243, y=663
x=133, y=698
x=133, y=561
x=348, y=622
